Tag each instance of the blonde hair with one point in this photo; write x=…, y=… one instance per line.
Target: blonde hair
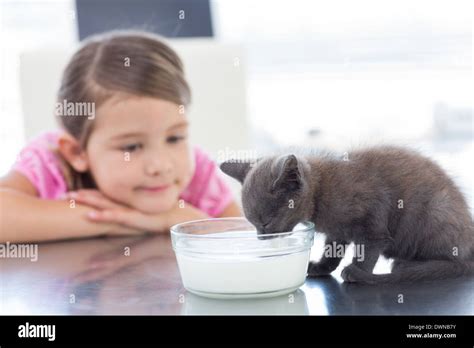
x=132, y=62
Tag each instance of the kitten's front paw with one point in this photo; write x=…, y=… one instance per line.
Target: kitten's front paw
x=353, y=274
x=318, y=269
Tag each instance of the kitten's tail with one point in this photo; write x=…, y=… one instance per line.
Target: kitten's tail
x=409, y=271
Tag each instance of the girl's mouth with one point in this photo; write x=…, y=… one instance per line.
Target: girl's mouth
x=154, y=189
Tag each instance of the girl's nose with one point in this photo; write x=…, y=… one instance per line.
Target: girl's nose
x=158, y=166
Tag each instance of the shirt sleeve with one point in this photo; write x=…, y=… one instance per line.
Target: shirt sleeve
x=208, y=190
x=39, y=164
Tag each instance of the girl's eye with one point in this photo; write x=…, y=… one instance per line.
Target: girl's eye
x=175, y=139
x=131, y=147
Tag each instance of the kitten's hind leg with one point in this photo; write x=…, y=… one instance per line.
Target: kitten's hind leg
x=332, y=256
x=400, y=265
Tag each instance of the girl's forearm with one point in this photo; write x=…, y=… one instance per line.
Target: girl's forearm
x=25, y=218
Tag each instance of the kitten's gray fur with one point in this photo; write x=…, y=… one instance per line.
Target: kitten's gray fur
x=358, y=200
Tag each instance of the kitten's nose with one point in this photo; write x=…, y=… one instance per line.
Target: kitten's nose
x=264, y=237
x=262, y=234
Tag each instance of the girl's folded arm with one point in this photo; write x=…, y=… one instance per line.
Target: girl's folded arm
x=26, y=218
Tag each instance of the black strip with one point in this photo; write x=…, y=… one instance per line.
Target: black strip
x=137, y=330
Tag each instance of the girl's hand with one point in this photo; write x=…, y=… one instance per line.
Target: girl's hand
x=96, y=199
x=113, y=212
x=149, y=222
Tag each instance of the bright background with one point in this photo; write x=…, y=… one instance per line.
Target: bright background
x=319, y=73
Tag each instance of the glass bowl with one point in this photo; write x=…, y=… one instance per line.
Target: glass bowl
x=223, y=258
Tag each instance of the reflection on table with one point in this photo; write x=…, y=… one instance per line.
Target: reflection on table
x=133, y=276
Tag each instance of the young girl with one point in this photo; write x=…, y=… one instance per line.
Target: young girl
x=122, y=162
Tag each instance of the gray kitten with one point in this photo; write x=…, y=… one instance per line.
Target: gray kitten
x=391, y=200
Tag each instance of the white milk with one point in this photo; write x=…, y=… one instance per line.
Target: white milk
x=244, y=274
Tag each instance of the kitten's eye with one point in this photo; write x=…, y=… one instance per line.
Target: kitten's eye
x=175, y=139
x=131, y=147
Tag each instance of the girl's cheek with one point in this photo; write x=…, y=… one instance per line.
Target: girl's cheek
x=116, y=169
x=190, y=160
x=187, y=167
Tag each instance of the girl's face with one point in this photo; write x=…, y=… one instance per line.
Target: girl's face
x=139, y=154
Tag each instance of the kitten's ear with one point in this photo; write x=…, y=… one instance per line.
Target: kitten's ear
x=288, y=176
x=237, y=170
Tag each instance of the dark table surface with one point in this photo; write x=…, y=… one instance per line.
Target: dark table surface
x=141, y=276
